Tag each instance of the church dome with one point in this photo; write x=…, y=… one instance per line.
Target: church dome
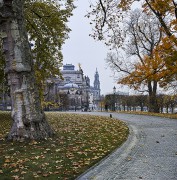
x=71, y=85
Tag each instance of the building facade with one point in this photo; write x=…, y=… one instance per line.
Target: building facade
x=72, y=91
x=76, y=88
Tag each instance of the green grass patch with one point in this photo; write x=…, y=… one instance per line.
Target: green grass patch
x=80, y=142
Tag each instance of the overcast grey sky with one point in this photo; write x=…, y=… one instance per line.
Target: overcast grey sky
x=81, y=48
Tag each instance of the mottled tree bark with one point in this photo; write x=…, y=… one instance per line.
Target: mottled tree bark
x=29, y=121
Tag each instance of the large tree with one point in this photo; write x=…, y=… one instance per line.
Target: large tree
x=46, y=25
x=29, y=121
x=142, y=67
x=109, y=17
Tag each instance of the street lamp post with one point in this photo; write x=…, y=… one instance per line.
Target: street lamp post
x=114, y=92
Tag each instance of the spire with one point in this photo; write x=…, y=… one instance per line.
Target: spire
x=96, y=80
x=96, y=86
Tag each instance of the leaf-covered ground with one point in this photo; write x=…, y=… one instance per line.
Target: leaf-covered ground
x=165, y=115
x=80, y=142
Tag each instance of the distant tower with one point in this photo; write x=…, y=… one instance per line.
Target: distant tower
x=88, y=81
x=96, y=86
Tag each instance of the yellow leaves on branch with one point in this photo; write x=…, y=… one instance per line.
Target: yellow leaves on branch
x=151, y=69
x=162, y=6
x=168, y=52
x=173, y=24
x=125, y=4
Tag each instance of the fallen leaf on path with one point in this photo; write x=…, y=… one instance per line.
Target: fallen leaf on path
x=129, y=158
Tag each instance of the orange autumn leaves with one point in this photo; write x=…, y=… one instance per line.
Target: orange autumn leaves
x=162, y=6
x=160, y=67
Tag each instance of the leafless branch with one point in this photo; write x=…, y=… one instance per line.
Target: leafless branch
x=104, y=11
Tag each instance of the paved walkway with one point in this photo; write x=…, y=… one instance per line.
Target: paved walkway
x=150, y=153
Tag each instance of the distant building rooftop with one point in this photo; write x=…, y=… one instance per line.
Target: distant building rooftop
x=68, y=67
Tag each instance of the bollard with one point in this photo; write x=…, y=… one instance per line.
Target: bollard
x=110, y=115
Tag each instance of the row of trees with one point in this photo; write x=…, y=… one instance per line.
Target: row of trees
x=165, y=103
x=143, y=42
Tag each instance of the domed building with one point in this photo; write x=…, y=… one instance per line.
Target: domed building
x=76, y=89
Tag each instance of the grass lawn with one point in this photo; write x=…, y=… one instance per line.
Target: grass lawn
x=80, y=142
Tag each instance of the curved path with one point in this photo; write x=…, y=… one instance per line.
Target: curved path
x=150, y=152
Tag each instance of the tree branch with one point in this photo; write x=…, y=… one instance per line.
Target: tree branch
x=175, y=5
x=104, y=11
x=159, y=16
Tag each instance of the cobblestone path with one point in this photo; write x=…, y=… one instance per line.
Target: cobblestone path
x=150, y=153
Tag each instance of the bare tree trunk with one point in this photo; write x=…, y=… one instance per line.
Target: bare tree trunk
x=141, y=105
x=29, y=121
x=153, y=105
x=167, y=108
